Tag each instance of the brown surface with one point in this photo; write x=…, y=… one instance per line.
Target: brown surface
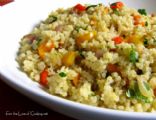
x=12, y=102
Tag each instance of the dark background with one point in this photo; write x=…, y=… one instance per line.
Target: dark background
x=12, y=102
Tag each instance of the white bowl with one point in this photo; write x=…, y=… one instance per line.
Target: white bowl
x=18, y=19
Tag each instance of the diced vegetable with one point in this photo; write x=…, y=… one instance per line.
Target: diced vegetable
x=77, y=28
x=79, y=8
x=36, y=43
x=99, y=53
x=137, y=21
x=113, y=68
x=59, y=28
x=146, y=23
x=79, y=57
x=90, y=6
x=136, y=17
x=133, y=57
x=85, y=37
x=117, y=40
x=142, y=11
x=117, y=5
x=142, y=23
x=30, y=38
x=3, y=2
x=130, y=93
x=134, y=92
x=76, y=80
x=145, y=42
x=113, y=50
x=115, y=11
x=43, y=77
x=136, y=39
x=144, y=88
x=127, y=81
x=69, y=58
x=62, y=74
x=81, y=54
x=51, y=19
x=154, y=92
x=43, y=48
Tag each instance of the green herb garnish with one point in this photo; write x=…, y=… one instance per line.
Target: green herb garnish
x=38, y=41
x=130, y=93
x=147, y=86
x=81, y=54
x=51, y=19
x=146, y=23
x=135, y=93
x=113, y=4
x=77, y=28
x=154, y=41
x=62, y=74
x=142, y=11
x=146, y=42
x=133, y=57
x=115, y=11
x=90, y=6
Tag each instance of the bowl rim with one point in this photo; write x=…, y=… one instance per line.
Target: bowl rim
x=23, y=88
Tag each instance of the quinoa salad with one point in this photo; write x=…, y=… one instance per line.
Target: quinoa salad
x=98, y=55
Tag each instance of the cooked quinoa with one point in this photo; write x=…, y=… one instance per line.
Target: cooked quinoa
x=99, y=55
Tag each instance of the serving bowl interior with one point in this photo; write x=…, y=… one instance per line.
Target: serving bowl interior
x=17, y=19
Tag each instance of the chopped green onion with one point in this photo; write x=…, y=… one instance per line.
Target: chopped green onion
x=51, y=19
x=146, y=23
x=154, y=41
x=62, y=74
x=147, y=86
x=144, y=88
x=115, y=11
x=81, y=54
x=90, y=6
x=38, y=41
x=133, y=56
x=130, y=93
x=142, y=11
x=77, y=28
x=113, y=4
x=135, y=93
x=146, y=42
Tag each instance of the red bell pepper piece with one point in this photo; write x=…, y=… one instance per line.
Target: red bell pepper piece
x=117, y=40
x=80, y=8
x=3, y=2
x=116, y=5
x=43, y=77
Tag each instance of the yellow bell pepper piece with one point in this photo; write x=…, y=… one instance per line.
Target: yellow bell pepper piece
x=136, y=39
x=69, y=58
x=85, y=37
x=43, y=48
